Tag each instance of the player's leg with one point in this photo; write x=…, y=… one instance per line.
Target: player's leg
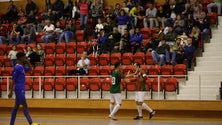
x=144, y=105
x=112, y=102
x=139, y=107
x=14, y=113
x=26, y=113
x=118, y=100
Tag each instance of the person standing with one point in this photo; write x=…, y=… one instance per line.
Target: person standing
x=141, y=77
x=18, y=83
x=115, y=91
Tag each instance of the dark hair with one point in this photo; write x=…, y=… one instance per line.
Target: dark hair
x=117, y=64
x=20, y=55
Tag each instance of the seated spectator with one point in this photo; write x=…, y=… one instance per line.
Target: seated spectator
x=179, y=25
x=195, y=35
x=32, y=55
x=216, y=3
x=109, y=24
x=99, y=26
x=12, y=55
x=49, y=31
x=123, y=21
x=40, y=52
x=135, y=15
x=3, y=33
x=124, y=42
x=204, y=25
x=58, y=8
x=75, y=11
x=29, y=33
x=170, y=36
x=136, y=40
x=175, y=51
x=96, y=11
x=68, y=32
x=49, y=15
x=28, y=51
x=116, y=37
x=161, y=16
x=15, y=35
x=196, y=6
x=151, y=17
x=161, y=53
x=30, y=6
x=189, y=50
x=12, y=13
x=82, y=66
x=58, y=30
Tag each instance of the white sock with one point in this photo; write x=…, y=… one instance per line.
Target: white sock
x=111, y=106
x=116, y=108
x=139, y=108
x=145, y=106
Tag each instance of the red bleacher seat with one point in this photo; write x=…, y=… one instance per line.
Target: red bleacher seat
x=84, y=84
x=60, y=84
x=7, y=62
x=79, y=35
x=128, y=68
x=93, y=70
x=71, y=85
x=166, y=70
x=60, y=59
x=127, y=58
x=21, y=47
x=139, y=57
x=180, y=70
x=3, y=49
x=105, y=70
x=60, y=48
x=49, y=60
x=50, y=48
x=104, y=59
x=146, y=32
x=149, y=58
x=7, y=71
x=94, y=84
x=38, y=71
x=48, y=85
x=60, y=71
x=154, y=86
x=49, y=71
x=93, y=59
x=28, y=84
x=171, y=85
x=71, y=47
x=71, y=59
x=154, y=70
x=115, y=57
x=81, y=47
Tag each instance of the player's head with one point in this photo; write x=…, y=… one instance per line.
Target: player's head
x=117, y=65
x=20, y=56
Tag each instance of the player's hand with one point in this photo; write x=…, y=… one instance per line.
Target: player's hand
x=128, y=72
x=10, y=94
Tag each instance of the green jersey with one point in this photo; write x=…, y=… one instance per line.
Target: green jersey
x=116, y=82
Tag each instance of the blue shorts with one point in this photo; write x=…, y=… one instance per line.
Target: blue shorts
x=19, y=96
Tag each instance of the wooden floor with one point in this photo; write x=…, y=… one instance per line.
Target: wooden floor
x=100, y=117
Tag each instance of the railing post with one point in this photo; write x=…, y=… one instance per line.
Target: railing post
x=8, y=84
x=158, y=92
x=40, y=83
x=199, y=87
x=78, y=87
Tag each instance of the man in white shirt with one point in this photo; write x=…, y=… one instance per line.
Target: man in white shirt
x=49, y=30
x=151, y=17
x=82, y=65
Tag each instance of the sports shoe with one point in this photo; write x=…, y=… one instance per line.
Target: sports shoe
x=152, y=114
x=112, y=117
x=35, y=123
x=138, y=117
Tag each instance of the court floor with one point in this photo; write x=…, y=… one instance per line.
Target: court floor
x=104, y=120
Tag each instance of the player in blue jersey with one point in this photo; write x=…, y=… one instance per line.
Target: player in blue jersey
x=18, y=83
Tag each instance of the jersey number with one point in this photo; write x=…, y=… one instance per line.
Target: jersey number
x=113, y=80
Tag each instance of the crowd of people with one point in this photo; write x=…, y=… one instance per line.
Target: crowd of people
x=115, y=28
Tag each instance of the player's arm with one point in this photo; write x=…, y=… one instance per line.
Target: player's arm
x=144, y=74
x=11, y=89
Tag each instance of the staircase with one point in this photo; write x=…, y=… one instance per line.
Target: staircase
x=204, y=82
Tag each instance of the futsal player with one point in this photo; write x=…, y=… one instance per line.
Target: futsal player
x=115, y=92
x=18, y=83
x=141, y=77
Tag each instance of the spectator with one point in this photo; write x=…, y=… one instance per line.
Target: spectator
x=99, y=26
x=68, y=33
x=15, y=34
x=29, y=33
x=28, y=51
x=97, y=11
x=12, y=12
x=125, y=8
x=161, y=53
x=175, y=51
x=179, y=25
x=58, y=30
x=49, y=16
x=123, y=21
x=135, y=14
x=30, y=6
x=204, y=25
x=170, y=36
x=189, y=50
x=49, y=30
x=195, y=35
x=3, y=33
x=151, y=17
x=116, y=37
x=161, y=16
x=136, y=40
x=32, y=55
x=82, y=65
x=31, y=18
x=197, y=9
x=84, y=11
x=75, y=11
x=216, y=3
x=124, y=42
x=12, y=55
x=108, y=25
x=40, y=52
x=58, y=8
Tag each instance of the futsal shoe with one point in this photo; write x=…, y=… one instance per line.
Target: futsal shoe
x=138, y=118
x=152, y=114
x=35, y=123
x=112, y=117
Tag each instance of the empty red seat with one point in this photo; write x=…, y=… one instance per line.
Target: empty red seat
x=93, y=70
x=71, y=59
x=38, y=71
x=28, y=84
x=127, y=58
x=60, y=84
x=49, y=60
x=7, y=71
x=94, y=84
x=60, y=48
x=171, y=85
x=49, y=71
x=128, y=68
x=3, y=49
x=149, y=58
x=180, y=70
x=71, y=85
x=93, y=59
x=71, y=47
x=154, y=85
x=105, y=70
x=106, y=84
x=79, y=35
x=104, y=59
x=81, y=47
x=146, y=32
x=115, y=57
x=139, y=57
x=48, y=85
x=84, y=84
x=154, y=70
x=60, y=71
x=50, y=48
x=21, y=47
x=60, y=59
